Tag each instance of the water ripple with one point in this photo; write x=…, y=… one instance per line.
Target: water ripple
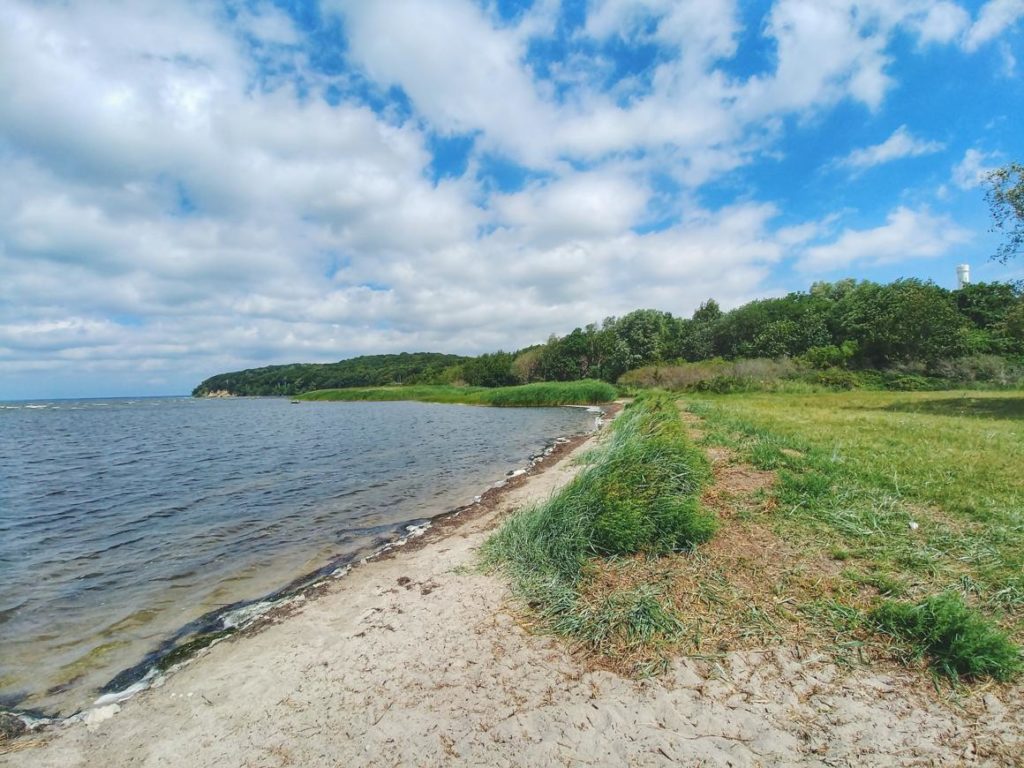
x=122, y=521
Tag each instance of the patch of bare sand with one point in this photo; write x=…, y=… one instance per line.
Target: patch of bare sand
x=416, y=660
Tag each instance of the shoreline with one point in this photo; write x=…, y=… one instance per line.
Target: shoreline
x=249, y=617
x=425, y=659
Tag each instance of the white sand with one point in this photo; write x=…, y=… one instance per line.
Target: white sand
x=437, y=672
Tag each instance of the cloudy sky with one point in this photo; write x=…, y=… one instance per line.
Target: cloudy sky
x=193, y=187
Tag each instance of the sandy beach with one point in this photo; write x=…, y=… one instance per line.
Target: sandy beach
x=418, y=659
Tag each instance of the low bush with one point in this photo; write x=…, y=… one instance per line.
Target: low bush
x=813, y=372
x=958, y=641
x=713, y=375
x=981, y=369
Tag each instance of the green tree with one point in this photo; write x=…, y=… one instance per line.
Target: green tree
x=526, y=366
x=490, y=370
x=986, y=306
x=1014, y=322
x=708, y=312
x=646, y=334
x=1005, y=197
x=905, y=321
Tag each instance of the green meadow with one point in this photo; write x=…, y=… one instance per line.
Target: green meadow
x=918, y=501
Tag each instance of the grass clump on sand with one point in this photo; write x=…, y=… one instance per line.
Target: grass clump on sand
x=958, y=641
x=637, y=497
x=586, y=392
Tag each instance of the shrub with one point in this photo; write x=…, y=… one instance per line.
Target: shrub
x=830, y=355
x=834, y=378
x=715, y=375
x=987, y=369
x=958, y=640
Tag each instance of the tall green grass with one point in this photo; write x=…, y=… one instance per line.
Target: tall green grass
x=957, y=640
x=638, y=495
x=586, y=392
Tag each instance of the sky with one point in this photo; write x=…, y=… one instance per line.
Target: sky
x=188, y=188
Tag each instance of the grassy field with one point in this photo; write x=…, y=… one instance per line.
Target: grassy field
x=588, y=392
x=869, y=524
x=917, y=499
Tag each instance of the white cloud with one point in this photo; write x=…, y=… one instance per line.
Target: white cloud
x=972, y=169
x=826, y=52
x=907, y=234
x=686, y=108
x=577, y=205
x=993, y=19
x=178, y=197
x=941, y=22
x=899, y=145
x=269, y=25
x=463, y=73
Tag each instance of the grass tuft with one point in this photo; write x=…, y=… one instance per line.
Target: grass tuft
x=637, y=495
x=958, y=641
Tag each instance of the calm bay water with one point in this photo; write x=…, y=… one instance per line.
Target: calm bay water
x=123, y=520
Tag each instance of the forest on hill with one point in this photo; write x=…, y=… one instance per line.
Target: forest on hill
x=365, y=371
x=909, y=333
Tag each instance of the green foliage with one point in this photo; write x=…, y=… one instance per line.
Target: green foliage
x=587, y=392
x=367, y=371
x=958, y=641
x=1005, y=197
x=657, y=511
x=491, y=370
x=585, y=352
x=644, y=333
x=985, y=305
x=831, y=355
x=638, y=494
x=1014, y=322
x=526, y=365
x=908, y=320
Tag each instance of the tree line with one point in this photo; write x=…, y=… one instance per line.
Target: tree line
x=849, y=324
x=846, y=324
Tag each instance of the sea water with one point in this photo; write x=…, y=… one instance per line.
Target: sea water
x=122, y=521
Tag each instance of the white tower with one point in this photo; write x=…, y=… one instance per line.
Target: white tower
x=963, y=275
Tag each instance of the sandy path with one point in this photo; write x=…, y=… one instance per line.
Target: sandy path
x=415, y=660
